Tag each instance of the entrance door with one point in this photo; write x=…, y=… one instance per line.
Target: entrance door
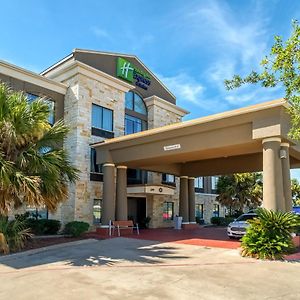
x=137, y=209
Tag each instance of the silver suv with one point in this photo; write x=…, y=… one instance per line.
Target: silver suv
x=237, y=228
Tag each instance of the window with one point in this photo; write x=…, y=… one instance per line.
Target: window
x=97, y=211
x=102, y=118
x=216, y=212
x=169, y=178
x=134, y=102
x=51, y=104
x=135, y=113
x=136, y=176
x=37, y=213
x=95, y=168
x=168, y=212
x=199, y=182
x=199, y=211
x=134, y=124
x=214, y=182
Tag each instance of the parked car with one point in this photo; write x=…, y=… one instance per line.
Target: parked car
x=237, y=228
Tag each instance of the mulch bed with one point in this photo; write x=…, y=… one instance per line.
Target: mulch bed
x=37, y=242
x=44, y=242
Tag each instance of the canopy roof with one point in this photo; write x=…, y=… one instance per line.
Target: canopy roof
x=223, y=143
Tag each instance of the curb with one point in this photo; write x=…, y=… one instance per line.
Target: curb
x=42, y=249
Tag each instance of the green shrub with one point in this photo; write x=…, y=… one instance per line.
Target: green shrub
x=269, y=235
x=15, y=233
x=221, y=221
x=228, y=220
x=49, y=226
x=43, y=226
x=145, y=222
x=76, y=228
x=217, y=220
x=199, y=221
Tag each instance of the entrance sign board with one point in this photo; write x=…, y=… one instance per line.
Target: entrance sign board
x=172, y=147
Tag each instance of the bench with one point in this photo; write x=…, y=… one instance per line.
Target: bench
x=120, y=225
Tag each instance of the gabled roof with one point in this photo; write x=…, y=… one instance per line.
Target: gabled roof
x=88, y=57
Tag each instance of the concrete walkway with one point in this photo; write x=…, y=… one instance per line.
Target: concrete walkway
x=124, y=268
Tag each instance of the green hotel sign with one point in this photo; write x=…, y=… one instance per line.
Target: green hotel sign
x=129, y=72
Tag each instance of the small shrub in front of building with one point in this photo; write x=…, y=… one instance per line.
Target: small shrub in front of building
x=228, y=220
x=221, y=221
x=44, y=226
x=217, y=221
x=76, y=228
x=39, y=226
x=199, y=221
x=270, y=234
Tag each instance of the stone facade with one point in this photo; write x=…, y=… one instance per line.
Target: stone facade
x=83, y=91
x=208, y=201
x=86, y=86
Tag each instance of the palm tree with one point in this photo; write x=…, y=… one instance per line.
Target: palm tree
x=240, y=190
x=295, y=186
x=34, y=168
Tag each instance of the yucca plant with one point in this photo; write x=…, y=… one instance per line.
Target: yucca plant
x=13, y=233
x=34, y=169
x=269, y=235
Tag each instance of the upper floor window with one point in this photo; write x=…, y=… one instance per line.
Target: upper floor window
x=33, y=97
x=134, y=102
x=199, y=182
x=134, y=124
x=95, y=168
x=214, y=182
x=168, y=178
x=135, y=113
x=102, y=118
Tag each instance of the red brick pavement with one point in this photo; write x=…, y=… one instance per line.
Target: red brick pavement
x=202, y=236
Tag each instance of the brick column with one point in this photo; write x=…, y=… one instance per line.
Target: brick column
x=108, y=201
x=183, y=199
x=286, y=176
x=121, y=195
x=191, y=183
x=272, y=175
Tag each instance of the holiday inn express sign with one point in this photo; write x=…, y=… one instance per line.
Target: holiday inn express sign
x=126, y=70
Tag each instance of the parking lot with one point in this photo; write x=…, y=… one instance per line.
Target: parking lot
x=130, y=268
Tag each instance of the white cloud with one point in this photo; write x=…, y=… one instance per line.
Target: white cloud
x=238, y=46
x=245, y=39
x=184, y=87
x=99, y=32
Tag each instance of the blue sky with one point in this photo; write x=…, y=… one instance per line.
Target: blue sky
x=191, y=45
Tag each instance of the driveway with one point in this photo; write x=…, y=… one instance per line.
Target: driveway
x=125, y=268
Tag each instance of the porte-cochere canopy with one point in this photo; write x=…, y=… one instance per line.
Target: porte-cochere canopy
x=249, y=139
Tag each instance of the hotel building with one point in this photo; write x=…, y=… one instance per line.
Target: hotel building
x=102, y=96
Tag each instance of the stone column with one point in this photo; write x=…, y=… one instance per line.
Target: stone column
x=191, y=183
x=286, y=176
x=272, y=175
x=183, y=199
x=108, y=201
x=121, y=195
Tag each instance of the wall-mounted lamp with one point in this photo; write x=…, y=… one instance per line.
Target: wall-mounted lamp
x=282, y=154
